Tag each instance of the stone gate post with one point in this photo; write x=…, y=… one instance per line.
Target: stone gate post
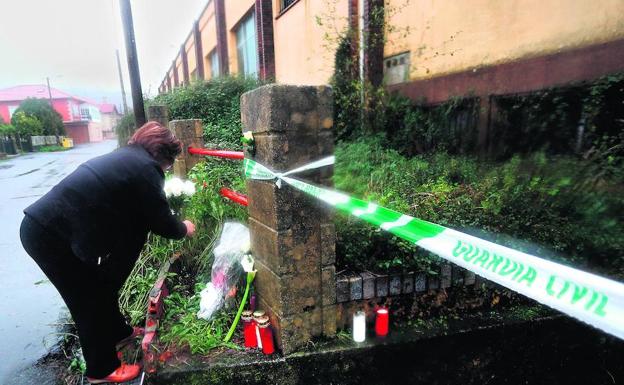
x=292, y=234
x=191, y=133
x=158, y=114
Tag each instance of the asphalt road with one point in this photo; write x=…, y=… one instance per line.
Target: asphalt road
x=29, y=305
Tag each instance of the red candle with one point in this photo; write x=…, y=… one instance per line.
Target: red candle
x=381, y=322
x=266, y=335
x=249, y=330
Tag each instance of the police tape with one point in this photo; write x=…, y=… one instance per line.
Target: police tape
x=590, y=298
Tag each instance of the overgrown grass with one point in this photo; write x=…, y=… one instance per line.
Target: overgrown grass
x=181, y=327
x=54, y=148
x=563, y=208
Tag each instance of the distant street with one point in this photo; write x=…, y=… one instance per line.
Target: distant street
x=29, y=305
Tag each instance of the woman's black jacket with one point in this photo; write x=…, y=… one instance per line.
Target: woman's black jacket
x=106, y=207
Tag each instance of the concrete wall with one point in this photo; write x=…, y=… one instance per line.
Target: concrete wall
x=108, y=123
x=488, y=32
x=303, y=52
x=573, y=39
x=208, y=32
x=189, y=47
x=95, y=132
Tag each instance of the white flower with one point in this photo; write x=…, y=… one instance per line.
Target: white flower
x=248, y=135
x=188, y=188
x=167, y=189
x=175, y=187
x=248, y=263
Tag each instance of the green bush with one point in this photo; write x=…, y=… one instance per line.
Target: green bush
x=565, y=120
x=40, y=109
x=54, y=148
x=125, y=128
x=554, y=207
x=216, y=103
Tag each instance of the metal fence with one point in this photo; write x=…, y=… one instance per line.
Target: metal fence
x=43, y=140
x=7, y=146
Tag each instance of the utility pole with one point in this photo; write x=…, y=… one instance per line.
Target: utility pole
x=123, y=90
x=52, y=107
x=133, y=63
x=49, y=91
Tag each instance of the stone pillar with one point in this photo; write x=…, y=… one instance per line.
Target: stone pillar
x=176, y=81
x=191, y=133
x=158, y=114
x=292, y=234
x=265, y=44
x=185, y=69
x=222, y=34
x=199, y=51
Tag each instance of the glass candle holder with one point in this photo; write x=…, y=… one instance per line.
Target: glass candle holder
x=258, y=314
x=382, y=322
x=249, y=329
x=359, y=326
x=266, y=335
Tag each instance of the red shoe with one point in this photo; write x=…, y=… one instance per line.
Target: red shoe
x=136, y=332
x=123, y=373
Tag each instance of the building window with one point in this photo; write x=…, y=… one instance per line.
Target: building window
x=85, y=113
x=214, y=64
x=396, y=68
x=246, y=46
x=287, y=3
x=12, y=111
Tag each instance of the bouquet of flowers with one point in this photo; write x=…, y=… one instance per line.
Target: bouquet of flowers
x=177, y=192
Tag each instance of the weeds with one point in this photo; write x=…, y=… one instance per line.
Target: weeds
x=181, y=327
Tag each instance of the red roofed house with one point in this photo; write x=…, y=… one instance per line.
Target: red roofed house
x=110, y=118
x=81, y=118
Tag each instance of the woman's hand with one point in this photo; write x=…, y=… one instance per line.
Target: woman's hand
x=190, y=228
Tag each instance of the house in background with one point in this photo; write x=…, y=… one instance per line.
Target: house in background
x=110, y=118
x=81, y=118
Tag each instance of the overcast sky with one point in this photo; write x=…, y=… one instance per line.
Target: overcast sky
x=73, y=42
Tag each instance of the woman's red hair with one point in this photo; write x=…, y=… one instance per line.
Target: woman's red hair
x=158, y=141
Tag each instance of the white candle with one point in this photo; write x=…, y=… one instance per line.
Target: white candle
x=359, y=326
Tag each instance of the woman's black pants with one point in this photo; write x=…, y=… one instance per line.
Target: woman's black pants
x=90, y=293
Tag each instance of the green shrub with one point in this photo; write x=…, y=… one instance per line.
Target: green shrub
x=26, y=125
x=40, y=109
x=53, y=148
x=216, y=103
x=554, y=207
x=125, y=128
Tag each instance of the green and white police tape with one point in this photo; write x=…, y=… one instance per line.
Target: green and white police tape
x=590, y=298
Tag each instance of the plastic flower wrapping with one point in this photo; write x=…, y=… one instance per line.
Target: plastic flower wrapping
x=227, y=267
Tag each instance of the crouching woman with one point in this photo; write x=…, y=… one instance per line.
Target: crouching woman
x=87, y=232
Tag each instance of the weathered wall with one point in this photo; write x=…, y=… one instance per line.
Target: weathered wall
x=487, y=32
x=208, y=32
x=303, y=52
x=189, y=47
x=475, y=46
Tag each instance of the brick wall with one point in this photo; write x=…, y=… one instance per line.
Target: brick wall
x=264, y=34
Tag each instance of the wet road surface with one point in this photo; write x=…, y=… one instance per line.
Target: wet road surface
x=29, y=305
